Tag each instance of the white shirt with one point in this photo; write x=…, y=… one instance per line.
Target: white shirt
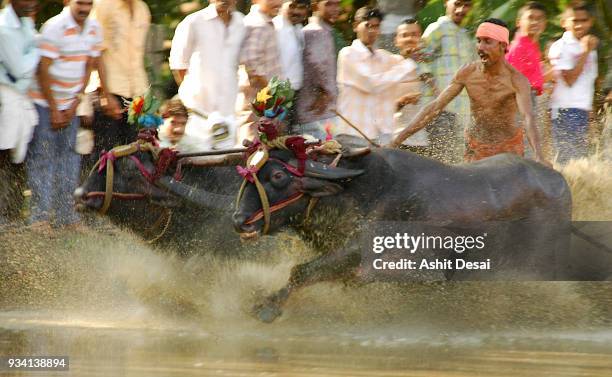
x=209, y=51
x=18, y=61
x=367, y=83
x=407, y=113
x=291, y=48
x=563, y=56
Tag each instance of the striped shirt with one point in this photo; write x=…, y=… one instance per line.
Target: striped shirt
x=368, y=84
x=260, y=53
x=450, y=47
x=319, y=71
x=63, y=41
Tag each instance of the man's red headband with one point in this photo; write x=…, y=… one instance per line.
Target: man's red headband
x=493, y=31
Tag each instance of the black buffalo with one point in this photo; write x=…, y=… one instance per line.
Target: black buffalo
x=201, y=204
x=394, y=185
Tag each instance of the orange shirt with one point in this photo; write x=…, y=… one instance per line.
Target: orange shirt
x=124, y=45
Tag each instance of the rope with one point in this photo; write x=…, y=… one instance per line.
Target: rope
x=357, y=129
x=155, y=239
x=108, y=191
x=313, y=200
x=287, y=143
x=118, y=152
x=265, y=204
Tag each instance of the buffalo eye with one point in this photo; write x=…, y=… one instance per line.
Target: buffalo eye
x=279, y=179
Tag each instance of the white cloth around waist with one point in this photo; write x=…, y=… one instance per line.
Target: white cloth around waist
x=18, y=118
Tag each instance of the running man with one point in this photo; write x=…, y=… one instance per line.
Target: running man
x=496, y=91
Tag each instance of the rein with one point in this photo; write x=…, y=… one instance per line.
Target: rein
x=164, y=158
x=106, y=162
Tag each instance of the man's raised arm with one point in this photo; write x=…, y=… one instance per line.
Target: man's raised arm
x=429, y=112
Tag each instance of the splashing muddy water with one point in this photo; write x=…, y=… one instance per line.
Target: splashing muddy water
x=118, y=307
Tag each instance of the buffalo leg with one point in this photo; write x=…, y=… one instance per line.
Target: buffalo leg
x=331, y=266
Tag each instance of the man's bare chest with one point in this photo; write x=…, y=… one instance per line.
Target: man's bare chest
x=490, y=92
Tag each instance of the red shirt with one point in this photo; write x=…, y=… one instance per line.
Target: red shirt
x=524, y=55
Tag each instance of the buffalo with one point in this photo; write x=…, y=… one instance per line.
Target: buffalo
x=192, y=213
x=330, y=206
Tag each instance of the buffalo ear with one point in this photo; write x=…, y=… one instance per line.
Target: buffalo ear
x=318, y=187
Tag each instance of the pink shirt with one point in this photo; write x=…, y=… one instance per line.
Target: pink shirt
x=524, y=55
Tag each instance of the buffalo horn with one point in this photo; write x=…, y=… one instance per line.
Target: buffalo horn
x=315, y=169
x=213, y=161
x=212, y=153
x=197, y=196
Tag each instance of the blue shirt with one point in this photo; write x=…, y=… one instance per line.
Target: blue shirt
x=18, y=53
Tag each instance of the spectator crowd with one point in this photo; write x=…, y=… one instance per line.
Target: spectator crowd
x=85, y=65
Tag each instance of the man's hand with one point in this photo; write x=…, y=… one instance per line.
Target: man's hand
x=415, y=52
x=609, y=97
x=409, y=51
x=408, y=99
x=589, y=43
x=57, y=119
x=70, y=113
x=257, y=82
x=111, y=107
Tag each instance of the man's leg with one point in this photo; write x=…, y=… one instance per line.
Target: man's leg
x=40, y=166
x=109, y=132
x=11, y=188
x=570, y=134
x=67, y=175
x=126, y=133
x=580, y=126
x=606, y=135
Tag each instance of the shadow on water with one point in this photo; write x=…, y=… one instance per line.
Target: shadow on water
x=118, y=307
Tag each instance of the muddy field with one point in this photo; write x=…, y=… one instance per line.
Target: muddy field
x=118, y=306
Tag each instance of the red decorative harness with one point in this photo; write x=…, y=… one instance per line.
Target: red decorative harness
x=165, y=158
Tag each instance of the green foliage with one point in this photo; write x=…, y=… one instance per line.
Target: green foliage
x=281, y=89
x=168, y=12
x=507, y=10
x=47, y=9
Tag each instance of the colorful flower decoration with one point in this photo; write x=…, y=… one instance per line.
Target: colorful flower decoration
x=143, y=111
x=267, y=129
x=275, y=100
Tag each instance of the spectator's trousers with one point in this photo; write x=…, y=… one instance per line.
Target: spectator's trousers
x=570, y=133
x=53, y=169
x=109, y=132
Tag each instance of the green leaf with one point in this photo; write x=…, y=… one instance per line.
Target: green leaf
x=155, y=104
x=148, y=99
x=507, y=11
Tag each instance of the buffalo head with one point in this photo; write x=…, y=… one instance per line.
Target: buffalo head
x=128, y=182
x=286, y=191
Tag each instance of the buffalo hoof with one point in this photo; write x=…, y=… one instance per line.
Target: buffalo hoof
x=267, y=312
